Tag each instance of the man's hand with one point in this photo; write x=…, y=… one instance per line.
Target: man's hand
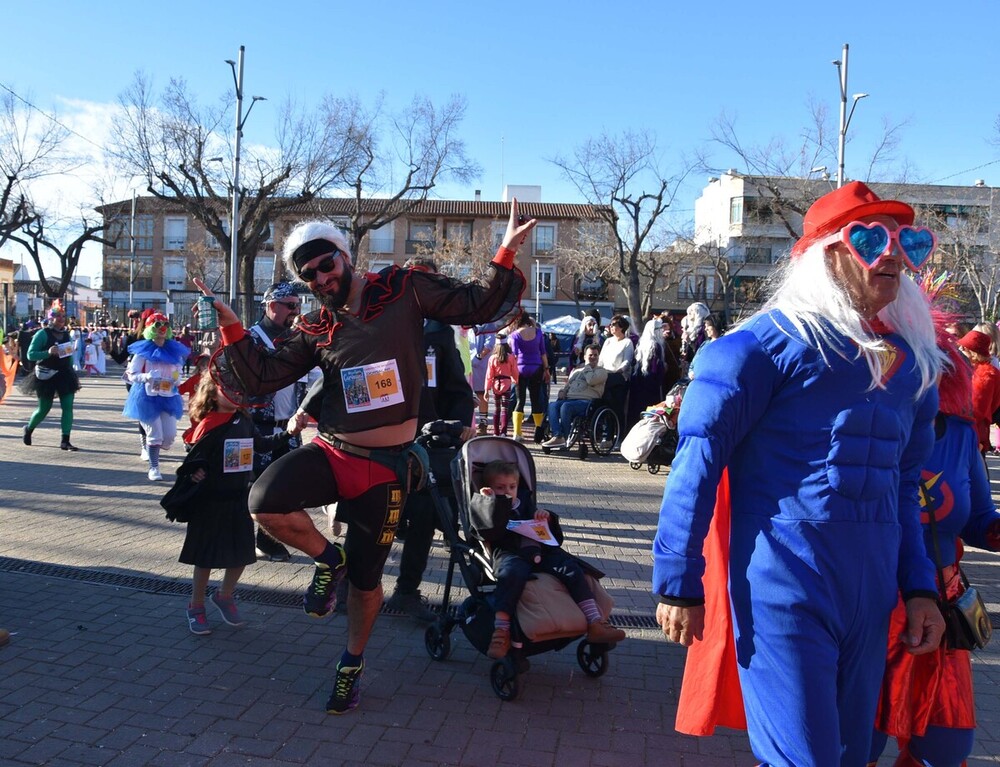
x=681, y=624
x=226, y=315
x=468, y=432
x=198, y=475
x=517, y=232
x=924, y=626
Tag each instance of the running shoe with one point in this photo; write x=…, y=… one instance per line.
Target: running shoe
x=227, y=609
x=198, y=621
x=321, y=597
x=346, y=689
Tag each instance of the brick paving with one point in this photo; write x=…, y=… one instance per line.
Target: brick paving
x=100, y=671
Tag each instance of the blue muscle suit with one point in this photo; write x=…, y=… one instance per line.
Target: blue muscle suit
x=824, y=472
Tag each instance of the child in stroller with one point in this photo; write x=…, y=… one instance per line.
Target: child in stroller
x=546, y=616
x=517, y=554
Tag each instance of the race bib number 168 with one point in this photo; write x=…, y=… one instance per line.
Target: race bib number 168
x=369, y=387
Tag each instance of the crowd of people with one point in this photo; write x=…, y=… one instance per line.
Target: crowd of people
x=804, y=547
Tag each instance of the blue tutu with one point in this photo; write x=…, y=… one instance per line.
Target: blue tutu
x=141, y=407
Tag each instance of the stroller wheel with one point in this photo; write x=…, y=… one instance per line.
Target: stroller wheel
x=504, y=679
x=593, y=659
x=437, y=642
x=653, y=468
x=634, y=465
x=546, y=450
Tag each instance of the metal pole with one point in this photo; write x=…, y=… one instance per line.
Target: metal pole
x=843, y=117
x=131, y=258
x=538, y=282
x=235, y=225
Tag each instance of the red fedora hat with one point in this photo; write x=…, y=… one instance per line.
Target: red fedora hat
x=841, y=206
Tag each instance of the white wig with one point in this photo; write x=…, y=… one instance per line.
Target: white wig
x=313, y=230
x=694, y=319
x=650, y=340
x=820, y=309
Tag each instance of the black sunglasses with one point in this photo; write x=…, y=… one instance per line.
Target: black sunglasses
x=325, y=266
x=161, y=324
x=292, y=307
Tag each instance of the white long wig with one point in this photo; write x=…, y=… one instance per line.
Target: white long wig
x=650, y=340
x=806, y=292
x=313, y=230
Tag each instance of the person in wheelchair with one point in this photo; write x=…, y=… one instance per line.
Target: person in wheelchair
x=516, y=557
x=584, y=385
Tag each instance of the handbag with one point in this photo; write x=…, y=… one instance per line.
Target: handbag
x=967, y=624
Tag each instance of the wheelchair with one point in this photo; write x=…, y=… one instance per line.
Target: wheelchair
x=598, y=429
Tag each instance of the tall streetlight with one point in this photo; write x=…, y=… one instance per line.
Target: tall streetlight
x=845, y=116
x=241, y=119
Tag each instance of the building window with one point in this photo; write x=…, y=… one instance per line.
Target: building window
x=736, y=210
x=458, y=232
x=175, y=233
x=758, y=210
x=382, y=240
x=263, y=272
x=543, y=280
x=211, y=241
x=144, y=232
x=174, y=274
x=116, y=273
x=119, y=231
x=499, y=230
x=378, y=264
x=419, y=237
x=758, y=255
x=699, y=287
x=544, y=238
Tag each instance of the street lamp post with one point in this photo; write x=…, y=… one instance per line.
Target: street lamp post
x=237, y=67
x=845, y=116
x=131, y=254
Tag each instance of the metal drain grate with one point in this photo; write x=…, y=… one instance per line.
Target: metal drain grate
x=253, y=594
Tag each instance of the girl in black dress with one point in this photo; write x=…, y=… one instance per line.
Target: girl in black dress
x=219, y=529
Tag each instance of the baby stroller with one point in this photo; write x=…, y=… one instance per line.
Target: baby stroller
x=546, y=619
x=653, y=440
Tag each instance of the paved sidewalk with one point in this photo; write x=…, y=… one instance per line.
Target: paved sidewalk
x=101, y=669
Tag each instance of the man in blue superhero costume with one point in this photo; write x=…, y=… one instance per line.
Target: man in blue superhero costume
x=821, y=407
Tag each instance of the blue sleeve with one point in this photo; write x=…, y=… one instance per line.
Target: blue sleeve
x=915, y=571
x=735, y=384
x=982, y=511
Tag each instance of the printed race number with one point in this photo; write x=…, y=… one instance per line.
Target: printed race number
x=372, y=386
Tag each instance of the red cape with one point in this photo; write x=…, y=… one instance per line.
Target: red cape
x=710, y=691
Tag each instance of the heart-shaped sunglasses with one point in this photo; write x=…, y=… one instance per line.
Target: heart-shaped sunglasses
x=869, y=242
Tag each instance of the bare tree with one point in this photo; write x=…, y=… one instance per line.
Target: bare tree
x=34, y=238
x=32, y=146
x=399, y=158
x=589, y=267
x=182, y=151
x=176, y=145
x=785, y=170
x=966, y=248
x=622, y=175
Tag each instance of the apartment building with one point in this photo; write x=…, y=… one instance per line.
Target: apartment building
x=171, y=247
x=747, y=224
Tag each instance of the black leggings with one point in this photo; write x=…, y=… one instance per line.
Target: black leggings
x=303, y=479
x=532, y=382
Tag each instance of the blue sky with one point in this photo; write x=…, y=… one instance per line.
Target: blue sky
x=541, y=78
